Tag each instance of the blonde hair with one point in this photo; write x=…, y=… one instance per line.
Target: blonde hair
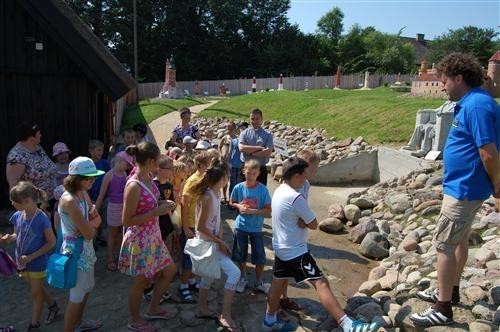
x=252, y=164
x=309, y=156
x=179, y=167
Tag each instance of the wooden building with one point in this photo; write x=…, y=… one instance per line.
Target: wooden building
x=56, y=73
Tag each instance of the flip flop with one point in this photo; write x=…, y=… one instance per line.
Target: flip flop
x=212, y=315
x=141, y=326
x=160, y=315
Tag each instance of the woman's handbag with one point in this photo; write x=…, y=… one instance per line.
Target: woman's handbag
x=7, y=265
x=204, y=256
x=62, y=269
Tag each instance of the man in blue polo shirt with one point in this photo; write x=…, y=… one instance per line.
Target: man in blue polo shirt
x=471, y=175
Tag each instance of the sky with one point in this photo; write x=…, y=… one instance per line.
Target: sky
x=430, y=17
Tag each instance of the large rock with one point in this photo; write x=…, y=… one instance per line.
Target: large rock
x=483, y=255
x=362, y=203
x=475, y=293
x=331, y=225
x=495, y=292
x=368, y=311
x=352, y=213
x=399, y=203
x=374, y=245
x=482, y=311
x=410, y=242
x=370, y=287
x=336, y=211
x=388, y=282
x=358, y=233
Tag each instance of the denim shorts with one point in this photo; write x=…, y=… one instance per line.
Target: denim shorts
x=186, y=263
x=240, y=247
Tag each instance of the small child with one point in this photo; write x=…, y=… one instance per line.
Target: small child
x=128, y=138
x=253, y=201
x=56, y=218
x=141, y=133
x=179, y=177
x=189, y=200
x=96, y=150
x=34, y=239
x=113, y=186
x=60, y=153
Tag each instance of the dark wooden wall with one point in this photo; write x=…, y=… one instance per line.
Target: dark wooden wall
x=44, y=87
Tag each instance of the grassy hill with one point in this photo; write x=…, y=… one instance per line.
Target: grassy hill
x=379, y=115
x=151, y=109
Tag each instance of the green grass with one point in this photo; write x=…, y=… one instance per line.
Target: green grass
x=379, y=115
x=149, y=110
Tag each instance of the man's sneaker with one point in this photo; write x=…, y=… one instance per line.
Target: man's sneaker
x=430, y=317
x=240, y=286
x=260, y=287
x=278, y=325
x=433, y=296
x=359, y=326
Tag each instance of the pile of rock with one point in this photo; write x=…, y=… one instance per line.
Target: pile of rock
x=394, y=221
x=297, y=139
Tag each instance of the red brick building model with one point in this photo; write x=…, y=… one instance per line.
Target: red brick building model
x=492, y=84
x=428, y=84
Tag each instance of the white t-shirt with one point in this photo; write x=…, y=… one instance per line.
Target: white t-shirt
x=288, y=205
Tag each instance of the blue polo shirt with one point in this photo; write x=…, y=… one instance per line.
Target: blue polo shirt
x=476, y=123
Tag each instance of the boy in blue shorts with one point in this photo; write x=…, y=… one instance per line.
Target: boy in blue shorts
x=253, y=202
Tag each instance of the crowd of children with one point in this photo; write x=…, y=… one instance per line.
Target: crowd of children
x=153, y=205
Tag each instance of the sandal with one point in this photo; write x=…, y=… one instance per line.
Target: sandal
x=89, y=325
x=160, y=315
x=52, y=314
x=186, y=295
x=226, y=326
x=141, y=326
x=111, y=266
x=8, y=328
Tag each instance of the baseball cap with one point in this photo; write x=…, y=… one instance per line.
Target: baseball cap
x=202, y=145
x=125, y=156
x=292, y=166
x=188, y=139
x=59, y=148
x=83, y=166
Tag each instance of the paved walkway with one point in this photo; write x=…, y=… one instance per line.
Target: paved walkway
x=161, y=128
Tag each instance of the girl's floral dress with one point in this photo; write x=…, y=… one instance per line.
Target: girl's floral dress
x=143, y=251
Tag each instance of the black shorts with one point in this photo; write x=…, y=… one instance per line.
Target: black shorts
x=300, y=268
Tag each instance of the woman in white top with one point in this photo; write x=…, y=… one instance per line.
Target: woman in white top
x=209, y=228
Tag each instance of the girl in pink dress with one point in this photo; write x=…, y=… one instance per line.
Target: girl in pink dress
x=143, y=255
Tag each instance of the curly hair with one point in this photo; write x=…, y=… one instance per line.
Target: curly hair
x=462, y=64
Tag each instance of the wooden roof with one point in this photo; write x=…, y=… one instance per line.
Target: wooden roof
x=82, y=45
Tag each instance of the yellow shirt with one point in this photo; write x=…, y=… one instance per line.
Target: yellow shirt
x=191, y=208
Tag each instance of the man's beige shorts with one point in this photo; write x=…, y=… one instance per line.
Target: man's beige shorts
x=454, y=222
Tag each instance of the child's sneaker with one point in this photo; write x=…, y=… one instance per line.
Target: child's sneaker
x=278, y=325
x=195, y=287
x=260, y=287
x=359, y=326
x=240, y=286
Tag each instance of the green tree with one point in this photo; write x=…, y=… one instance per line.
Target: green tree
x=352, y=49
x=469, y=39
x=330, y=24
x=386, y=53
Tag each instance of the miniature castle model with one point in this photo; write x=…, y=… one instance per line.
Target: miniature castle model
x=169, y=90
x=428, y=84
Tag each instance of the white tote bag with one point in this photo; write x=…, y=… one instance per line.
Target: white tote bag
x=204, y=256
